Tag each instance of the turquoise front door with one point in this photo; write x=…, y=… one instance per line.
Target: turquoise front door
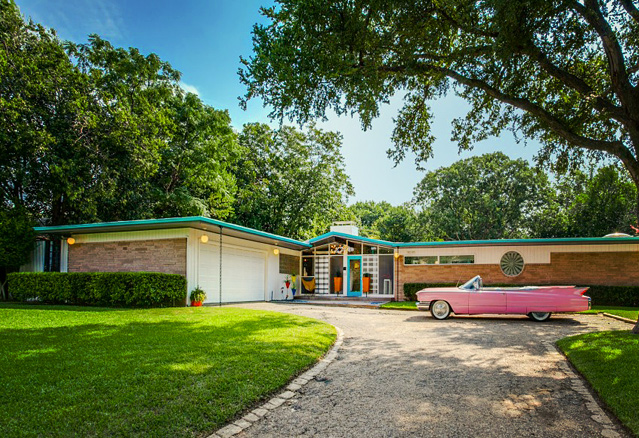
x=354, y=278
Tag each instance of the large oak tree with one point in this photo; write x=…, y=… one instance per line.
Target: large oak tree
x=563, y=72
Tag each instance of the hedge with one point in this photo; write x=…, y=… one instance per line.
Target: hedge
x=601, y=295
x=111, y=289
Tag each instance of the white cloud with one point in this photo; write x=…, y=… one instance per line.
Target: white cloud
x=189, y=88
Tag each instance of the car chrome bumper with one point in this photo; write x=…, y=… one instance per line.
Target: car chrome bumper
x=423, y=305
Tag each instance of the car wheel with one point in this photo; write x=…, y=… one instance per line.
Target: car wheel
x=539, y=316
x=440, y=310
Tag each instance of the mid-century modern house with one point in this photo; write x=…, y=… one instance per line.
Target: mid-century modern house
x=234, y=263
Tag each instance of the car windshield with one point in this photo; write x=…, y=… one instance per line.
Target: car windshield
x=472, y=284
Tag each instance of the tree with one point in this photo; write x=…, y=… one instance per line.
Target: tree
x=402, y=224
x=194, y=176
x=605, y=206
x=17, y=239
x=289, y=182
x=92, y=132
x=44, y=167
x=367, y=214
x=381, y=220
x=588, y=205
x=485, y=197
x=576, y=92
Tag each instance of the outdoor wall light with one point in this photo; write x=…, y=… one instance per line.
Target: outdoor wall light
x=70, y=240
x=396, y=255
x=204, y=238
x=276, y=251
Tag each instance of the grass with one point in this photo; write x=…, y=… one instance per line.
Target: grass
x=400, y=305
x=181, y=372
x=626, y=312
x=610, y=362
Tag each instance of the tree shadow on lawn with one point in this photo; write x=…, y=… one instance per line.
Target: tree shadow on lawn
x=162, y=378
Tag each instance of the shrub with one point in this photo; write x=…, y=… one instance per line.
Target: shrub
x=601, y=295
x=131, y=289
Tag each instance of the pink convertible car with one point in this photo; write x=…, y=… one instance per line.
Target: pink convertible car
x=538, y=302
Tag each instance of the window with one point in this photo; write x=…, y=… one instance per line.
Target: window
x=421, y=260
x=370, y=249
x=289, y=264
x=383, y=250
x=512, y=264
x=456, y=260
x=52, y=256
x=439, y=260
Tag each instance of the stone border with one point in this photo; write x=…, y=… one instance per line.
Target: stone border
x=290, y=391
x=596, y=412
x=620, y=318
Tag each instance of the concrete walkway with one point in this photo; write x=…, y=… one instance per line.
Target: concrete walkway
x=402, y=373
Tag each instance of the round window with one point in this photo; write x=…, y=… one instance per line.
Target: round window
x=512, y=264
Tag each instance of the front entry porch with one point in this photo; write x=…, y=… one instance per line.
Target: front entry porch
x=348, y=268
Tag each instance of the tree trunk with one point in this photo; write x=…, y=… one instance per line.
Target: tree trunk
x=635, y=329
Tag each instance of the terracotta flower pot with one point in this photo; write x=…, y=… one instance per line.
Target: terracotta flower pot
x=337, y=282
x=196, y=303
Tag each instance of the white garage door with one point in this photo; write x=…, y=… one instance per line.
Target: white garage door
x=242, y=274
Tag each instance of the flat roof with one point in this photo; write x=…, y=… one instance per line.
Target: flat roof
x=524, y=242
x=494, y=242
x=198, y=222
x=229, y=229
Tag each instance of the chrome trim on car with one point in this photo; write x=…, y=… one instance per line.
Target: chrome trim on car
x=423, y=305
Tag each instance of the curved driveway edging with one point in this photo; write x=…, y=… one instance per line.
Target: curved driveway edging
x=290, y=391
x=620, y=318
x=577, y=384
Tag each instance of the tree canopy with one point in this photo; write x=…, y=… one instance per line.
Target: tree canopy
x=563, y=72
x=485, y=197
x=92, y=132
x=289, y=182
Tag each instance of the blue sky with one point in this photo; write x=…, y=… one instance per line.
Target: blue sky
x=204, y=40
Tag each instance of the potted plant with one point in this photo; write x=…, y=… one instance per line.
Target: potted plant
x=337, y=282
x=366, y=283
x=197, y=297
x=294, y=283
x=287, y=281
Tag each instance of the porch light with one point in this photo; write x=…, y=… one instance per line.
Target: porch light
x=204, y=238
x=396, y=255
x=276, y=251
x=70, y=240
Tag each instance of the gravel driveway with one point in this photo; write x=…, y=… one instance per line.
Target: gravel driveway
x=405, y=374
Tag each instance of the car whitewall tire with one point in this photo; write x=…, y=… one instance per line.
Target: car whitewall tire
x=539, y=316
x=440, y=309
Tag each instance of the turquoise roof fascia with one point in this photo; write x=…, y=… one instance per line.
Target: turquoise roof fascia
x=170, y=221
x=573, y=240
x=351, y=237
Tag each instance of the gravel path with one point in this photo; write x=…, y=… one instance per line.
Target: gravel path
x=405, y=374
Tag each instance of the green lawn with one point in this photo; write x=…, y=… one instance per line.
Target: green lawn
x=626, y=312
x=179, y=372
x=610, y=362
x=400, y=305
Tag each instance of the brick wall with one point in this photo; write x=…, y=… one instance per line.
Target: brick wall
x=166, y=255
x=580, y=268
